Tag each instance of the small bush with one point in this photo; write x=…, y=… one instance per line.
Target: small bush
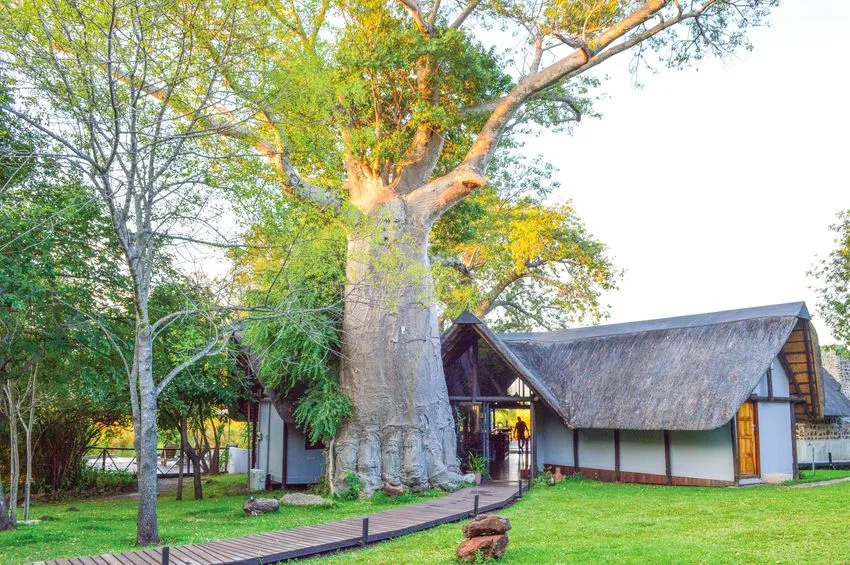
x=355, y=487
x=94, y=478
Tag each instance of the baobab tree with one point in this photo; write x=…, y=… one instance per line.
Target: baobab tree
x=390, y=113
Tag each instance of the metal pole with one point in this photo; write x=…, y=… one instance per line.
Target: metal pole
x=475, y=506
x=365, y=538
x=813, y=459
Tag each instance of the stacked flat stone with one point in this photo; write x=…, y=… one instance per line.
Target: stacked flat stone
x=486, y=535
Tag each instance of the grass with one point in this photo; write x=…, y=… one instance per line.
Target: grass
x=576, y=521
x=584, y=521
x=819, y=475
x=101, y=526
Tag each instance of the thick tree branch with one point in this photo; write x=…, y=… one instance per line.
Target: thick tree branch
x=467, y=11
x=442, y=193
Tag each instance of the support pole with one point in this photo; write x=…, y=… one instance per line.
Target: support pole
x=475, y=506
x=364, y=539
x=166, y=555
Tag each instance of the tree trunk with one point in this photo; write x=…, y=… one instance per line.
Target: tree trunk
x=5, y=522
x=195, y=458
x=14, y=457
x=181, y=423
x=402, y=429
x=146, y=442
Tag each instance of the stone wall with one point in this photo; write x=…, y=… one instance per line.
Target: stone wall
x=831, y=435
x=828, y=428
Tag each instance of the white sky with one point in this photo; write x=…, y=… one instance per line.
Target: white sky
x=714, y=187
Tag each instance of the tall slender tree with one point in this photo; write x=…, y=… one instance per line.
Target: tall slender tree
x=100, y=81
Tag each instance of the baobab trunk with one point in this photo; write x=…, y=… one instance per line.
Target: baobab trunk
x=402, y=430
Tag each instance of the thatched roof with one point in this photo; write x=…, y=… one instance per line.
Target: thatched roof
x=684, y=373
x=836, y=403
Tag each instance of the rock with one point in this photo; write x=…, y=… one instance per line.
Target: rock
x=301, y=499
x=393, y=490
x=488, y=547
x=256, y=506
x=486, y=525
x=557, y=476
x=469, y=478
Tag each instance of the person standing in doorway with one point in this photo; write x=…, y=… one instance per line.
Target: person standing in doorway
x=521, y=432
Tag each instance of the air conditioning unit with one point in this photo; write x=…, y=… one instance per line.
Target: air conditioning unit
x=257, y=480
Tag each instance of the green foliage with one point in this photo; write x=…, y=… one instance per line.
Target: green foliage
x=355, y=487
x=508, y=254
x=94, y=478
x=297, y=265
x=478, y=464
x=833, y=276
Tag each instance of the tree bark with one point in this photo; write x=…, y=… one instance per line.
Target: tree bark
x=145, y=440
x=402, y=430
x=5, y=522
x=181, y=423
x=10, y=390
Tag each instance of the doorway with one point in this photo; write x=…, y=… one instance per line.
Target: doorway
x=489, y=429
x=748, y=439
x=510, y=441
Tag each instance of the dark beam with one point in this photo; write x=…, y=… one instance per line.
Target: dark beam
x=668, y=470
x=770, y=381
x=474, y=373
x=810, y=367
x=617, y=455
x=795, y=472
x=733, y=425
x=490, y=399
x=792, y=399
x=283, y=462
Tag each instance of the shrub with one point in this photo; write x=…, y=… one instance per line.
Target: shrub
x=355, y=486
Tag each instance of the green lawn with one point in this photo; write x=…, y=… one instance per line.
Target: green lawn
x=820, y=475
x=583, y=521
x=577, y=521
x=103, y=526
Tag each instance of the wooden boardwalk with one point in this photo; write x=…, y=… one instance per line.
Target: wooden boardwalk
x=281, y=545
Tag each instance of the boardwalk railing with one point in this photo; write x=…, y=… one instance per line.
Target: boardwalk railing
x=123, y=459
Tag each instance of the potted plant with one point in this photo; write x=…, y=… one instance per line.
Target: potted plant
x=478, y=466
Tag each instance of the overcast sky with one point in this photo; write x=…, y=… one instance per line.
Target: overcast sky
x=715, y=187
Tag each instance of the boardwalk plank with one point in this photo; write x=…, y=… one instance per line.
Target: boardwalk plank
x=270, y=547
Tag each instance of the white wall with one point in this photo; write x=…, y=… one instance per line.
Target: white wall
x=555, y=440
x=781, y=387
x=776, y=458
x=642, y=452
x=303, y=466
x=596, y=449
x=702, y=454
x=840, y=449
x=270, y=441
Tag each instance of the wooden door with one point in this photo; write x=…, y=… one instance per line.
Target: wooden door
x=748, y=440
